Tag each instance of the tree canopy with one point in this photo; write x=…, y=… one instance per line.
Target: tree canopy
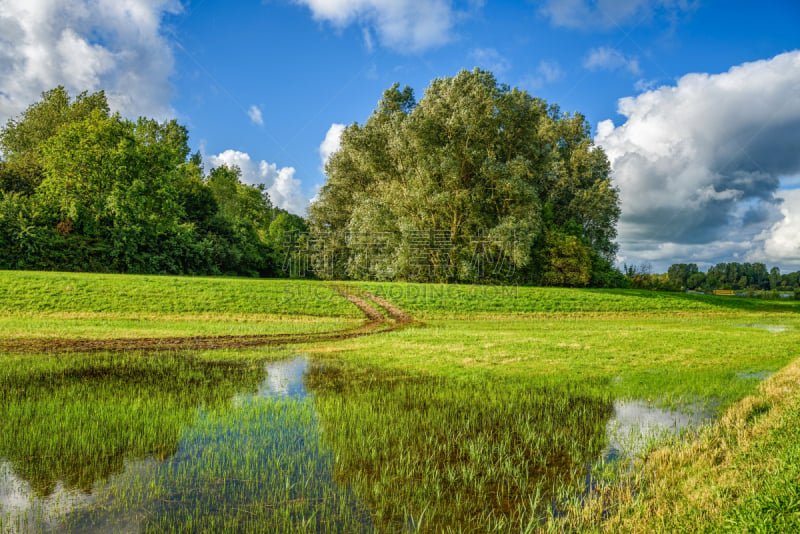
x=84, y=189
x=476, y=182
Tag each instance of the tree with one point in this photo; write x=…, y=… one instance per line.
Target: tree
x=84, y=189
x=774, y=278
x=23, y=137
x=475, y=182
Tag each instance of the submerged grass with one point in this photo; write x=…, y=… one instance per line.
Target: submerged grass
x=458, y=455
x=167, y=443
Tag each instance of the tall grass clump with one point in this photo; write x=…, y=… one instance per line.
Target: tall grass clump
x=464, y=455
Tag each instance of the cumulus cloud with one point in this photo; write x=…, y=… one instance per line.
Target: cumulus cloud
x=781, y=242
x=284, y=189
x=699, y=164
x=605, y=14
x=331, y=143
x=404, y=25
x=606, y=58
x=546, y=72
x=255, y=115
x=86, y=46
x=490, y=59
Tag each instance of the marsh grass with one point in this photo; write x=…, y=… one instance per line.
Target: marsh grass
x=458, y=455
x=166, y=443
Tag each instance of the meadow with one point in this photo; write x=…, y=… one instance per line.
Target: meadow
x=494, y=411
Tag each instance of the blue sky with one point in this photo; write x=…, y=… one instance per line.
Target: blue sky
x=706, y=153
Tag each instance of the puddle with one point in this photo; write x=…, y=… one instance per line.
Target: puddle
x=32, y=511
x=774, y=328
x=256, y=461
x=636, y=424
x=760, y=375
x=284, y=380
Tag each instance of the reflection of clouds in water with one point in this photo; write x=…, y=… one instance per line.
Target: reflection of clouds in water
x=636, y=423
x=284, y=378
x=774, y=328
x=25, y=511
x=29, y=512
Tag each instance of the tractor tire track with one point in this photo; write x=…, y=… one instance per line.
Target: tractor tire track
x=376, y=323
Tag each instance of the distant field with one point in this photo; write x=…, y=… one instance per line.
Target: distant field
x=443, y=300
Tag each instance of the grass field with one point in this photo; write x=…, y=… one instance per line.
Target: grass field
x=102, y=306
x=489, y=415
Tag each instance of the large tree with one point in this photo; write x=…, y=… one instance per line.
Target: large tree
x=475, y=182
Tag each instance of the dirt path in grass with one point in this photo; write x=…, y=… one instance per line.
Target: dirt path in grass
x=368, y=303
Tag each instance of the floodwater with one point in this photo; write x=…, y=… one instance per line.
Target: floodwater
x=774, y=328
x=265, y=441
x=270, y=431
x=636, y=425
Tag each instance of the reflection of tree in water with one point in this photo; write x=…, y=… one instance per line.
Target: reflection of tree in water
x=469, y=453
x=78, y=418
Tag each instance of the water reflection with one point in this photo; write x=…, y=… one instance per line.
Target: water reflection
x=636, y=425
x=774, y=328
x=289, y=445
x=285, y=378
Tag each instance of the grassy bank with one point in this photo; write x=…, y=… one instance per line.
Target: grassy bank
x=741, y=474
x=101, y=306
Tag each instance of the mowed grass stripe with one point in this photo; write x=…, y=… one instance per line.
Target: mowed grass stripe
x=458, y=300
x=112, y=293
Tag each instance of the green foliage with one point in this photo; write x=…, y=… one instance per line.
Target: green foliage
x=476, y=182
x=86, y=190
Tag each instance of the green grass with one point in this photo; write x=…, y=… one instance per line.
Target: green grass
x=103, y=306
x=673, y=359
x=484, y=418
x=442, y=300
x=107, y=326
x=48, y=292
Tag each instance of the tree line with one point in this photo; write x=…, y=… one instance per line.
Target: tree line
x=476, y=182
x=733, y=276
x=82, y=189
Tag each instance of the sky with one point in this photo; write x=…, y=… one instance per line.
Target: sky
x=696, y=103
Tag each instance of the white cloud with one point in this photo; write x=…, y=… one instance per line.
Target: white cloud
x=781, y=242
x=606, y=58
x=699, y=164
x=609, y=14
x=490, y=59
x=255, y=115
x=86, y=45
x=331, y=143
x=283, y=188
x=546, y=72
x=404, y=25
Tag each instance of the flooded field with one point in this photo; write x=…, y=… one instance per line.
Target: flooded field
x=140, y=443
